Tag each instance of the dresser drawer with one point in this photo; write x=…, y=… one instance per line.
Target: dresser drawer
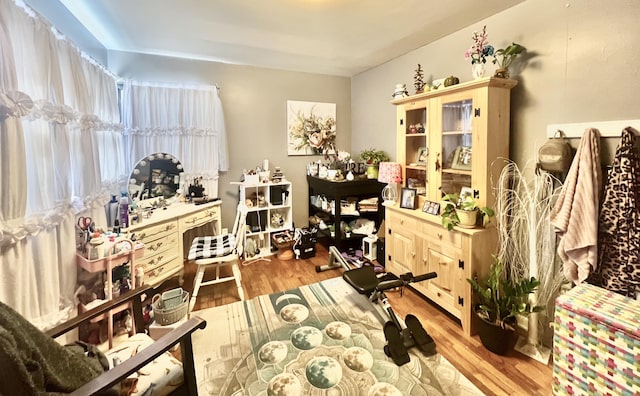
x=163, y=255
x=440, y=235
x=164, y=271
x=151, y=233
x=160, y=244
x=199, y=218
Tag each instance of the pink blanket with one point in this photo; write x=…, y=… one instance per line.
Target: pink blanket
x=575, y=215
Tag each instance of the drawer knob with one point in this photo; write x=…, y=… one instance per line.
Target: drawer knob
x=439, y=236
x=401, y=221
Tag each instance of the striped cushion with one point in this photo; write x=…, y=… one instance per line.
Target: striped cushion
x=212, y=246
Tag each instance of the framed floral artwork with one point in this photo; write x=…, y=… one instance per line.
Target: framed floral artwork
x=311, y=128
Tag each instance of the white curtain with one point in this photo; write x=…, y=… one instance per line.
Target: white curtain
x=62, y=154
x=185, y=121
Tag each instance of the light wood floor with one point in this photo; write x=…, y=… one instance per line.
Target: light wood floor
x=513, y=374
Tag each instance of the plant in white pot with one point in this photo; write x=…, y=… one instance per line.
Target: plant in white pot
x=462, y=212
x=498, y=303
x=373, y=158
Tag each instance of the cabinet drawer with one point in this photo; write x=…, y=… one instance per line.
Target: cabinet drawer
x=440, y=235
x=154, y=232
x=442, y=298
x=400, y=221
x=199, y=218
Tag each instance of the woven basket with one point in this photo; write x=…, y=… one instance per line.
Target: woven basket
x=166, y=316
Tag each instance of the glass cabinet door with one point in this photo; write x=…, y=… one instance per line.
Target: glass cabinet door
x=414, y=135
x=456, y=146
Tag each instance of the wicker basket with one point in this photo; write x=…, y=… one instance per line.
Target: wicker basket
x=166, y=316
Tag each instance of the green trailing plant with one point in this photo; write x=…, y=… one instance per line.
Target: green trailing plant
x=501, y=300
x=373, y=157
x=453, y=202
x=503, y=57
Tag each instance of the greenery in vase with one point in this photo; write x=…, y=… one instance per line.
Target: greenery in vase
x=373, y=156
x=468, y=203
x=501, y=300
x=504, y=57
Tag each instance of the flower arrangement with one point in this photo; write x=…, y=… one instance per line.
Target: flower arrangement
x=480, y=49
x=314, y=131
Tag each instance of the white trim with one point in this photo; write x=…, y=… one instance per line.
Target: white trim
x=606, y=128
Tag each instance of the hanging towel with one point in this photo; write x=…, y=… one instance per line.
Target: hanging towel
x=575, y=214
x=619, y=227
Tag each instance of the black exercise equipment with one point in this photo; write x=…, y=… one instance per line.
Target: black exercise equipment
x=399, y=338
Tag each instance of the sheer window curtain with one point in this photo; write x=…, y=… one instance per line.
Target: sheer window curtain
x=186, y=121
x=62, y=155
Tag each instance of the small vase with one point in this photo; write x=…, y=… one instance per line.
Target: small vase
x=477, y=70
x=502, y=72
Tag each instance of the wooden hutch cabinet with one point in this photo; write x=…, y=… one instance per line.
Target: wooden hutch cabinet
x=449, y=139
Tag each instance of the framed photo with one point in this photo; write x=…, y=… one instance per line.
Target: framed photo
x=466, y=191
x=462, y=158
x=408, y=198
x=422, y=156
x=431, y=208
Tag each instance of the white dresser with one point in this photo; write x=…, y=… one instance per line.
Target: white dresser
x=162, y=234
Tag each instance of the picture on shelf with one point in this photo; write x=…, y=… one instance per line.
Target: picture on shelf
x=466, y=192
x=423, y=152
x=431, y=208
x=462, y=158
x=408, y=198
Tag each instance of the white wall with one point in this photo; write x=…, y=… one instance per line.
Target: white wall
x=583, y=63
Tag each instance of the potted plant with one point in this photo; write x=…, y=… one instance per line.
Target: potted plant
x=499, y=301
x=462, y=212
x=332, y=230
x=347, y=231
x=373, y=158
x=505, y=56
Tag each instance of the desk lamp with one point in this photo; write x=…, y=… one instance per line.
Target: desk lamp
x=390, y=173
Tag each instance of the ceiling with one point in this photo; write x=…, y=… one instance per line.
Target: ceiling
x=336, y=37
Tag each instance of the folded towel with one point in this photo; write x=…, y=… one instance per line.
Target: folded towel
x=575, y=214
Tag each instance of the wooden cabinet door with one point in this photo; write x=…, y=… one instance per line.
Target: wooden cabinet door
x=443, y=287
x=403, y=252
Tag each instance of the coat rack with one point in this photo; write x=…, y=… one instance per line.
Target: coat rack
x=606, y=128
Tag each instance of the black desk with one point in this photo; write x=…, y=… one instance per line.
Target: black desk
x=337, y=191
